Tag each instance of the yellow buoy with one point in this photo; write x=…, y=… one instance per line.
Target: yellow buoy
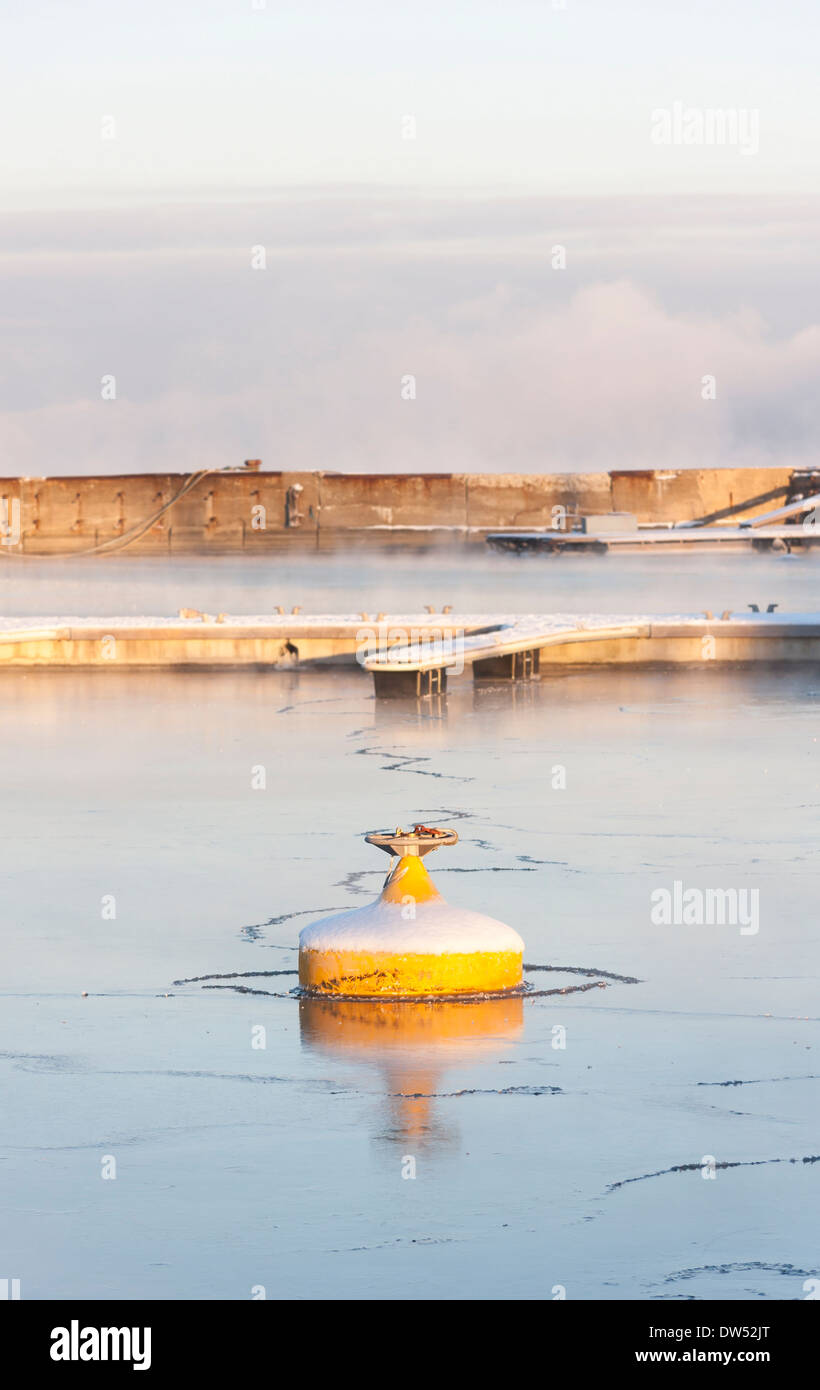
x=409, y=941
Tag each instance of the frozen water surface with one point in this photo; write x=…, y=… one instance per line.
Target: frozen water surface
x=536, y=1165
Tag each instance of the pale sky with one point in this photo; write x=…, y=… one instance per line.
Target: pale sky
x=282, y=128
x=220, y=96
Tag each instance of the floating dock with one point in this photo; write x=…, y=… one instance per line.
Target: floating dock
x=793, y=527
x=195, y=640
x=524, y=648
x=408, y=654
x=784, y=538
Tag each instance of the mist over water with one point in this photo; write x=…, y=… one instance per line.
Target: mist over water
x=403, y=580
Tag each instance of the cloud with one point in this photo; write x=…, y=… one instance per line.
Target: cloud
x=518, y=367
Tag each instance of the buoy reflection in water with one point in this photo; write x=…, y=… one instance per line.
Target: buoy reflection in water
x=412, y=1043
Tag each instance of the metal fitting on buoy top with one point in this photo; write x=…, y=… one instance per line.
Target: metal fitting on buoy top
x=409, y=941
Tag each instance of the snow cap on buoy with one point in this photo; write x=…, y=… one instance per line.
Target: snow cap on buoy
x=409, y=941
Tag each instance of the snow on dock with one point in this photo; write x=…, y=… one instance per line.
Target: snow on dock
x=758, y=533
x=520, y=648
x=407, y=653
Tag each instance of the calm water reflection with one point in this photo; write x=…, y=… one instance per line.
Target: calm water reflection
x=411, y=1045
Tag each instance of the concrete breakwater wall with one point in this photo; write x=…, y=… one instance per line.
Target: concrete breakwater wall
x=251, y=510
x=397, y=648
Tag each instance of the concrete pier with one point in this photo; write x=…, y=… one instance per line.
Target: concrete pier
x=408, y=655
x=254, y=510
x=278, y=641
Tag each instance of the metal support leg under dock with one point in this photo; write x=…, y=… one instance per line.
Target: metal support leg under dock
x=409, y=685
x=512, y=666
